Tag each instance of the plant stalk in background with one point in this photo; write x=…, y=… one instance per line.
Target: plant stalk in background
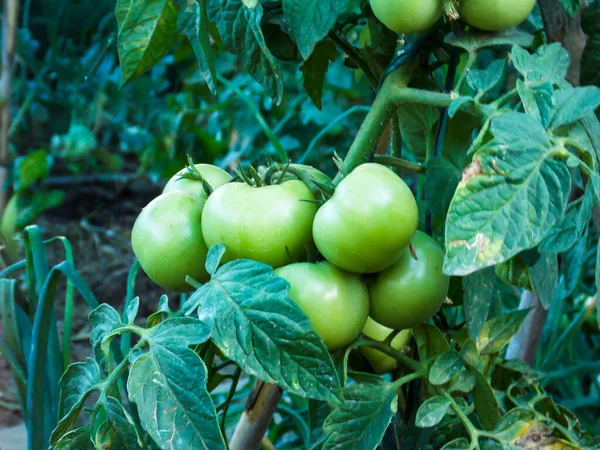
x=9, y=40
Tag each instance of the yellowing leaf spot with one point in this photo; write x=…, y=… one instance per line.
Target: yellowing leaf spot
x=471, y=171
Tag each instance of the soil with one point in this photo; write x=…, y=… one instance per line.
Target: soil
x=97, y=220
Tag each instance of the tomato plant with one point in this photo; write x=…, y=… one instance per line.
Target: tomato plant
x=369, y=220
x=270, y=224
x=413, y=289
x=476, y=163
x=335, y=301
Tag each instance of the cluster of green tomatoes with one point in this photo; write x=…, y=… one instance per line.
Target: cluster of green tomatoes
x=377, y=272
x=410, y=16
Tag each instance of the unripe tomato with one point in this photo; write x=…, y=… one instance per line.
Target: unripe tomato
x=379, y=361
x=370, y=219
x=167, y=240
x=407, y=16
x=260, y=223
x=214, y=175
x=335, y=301
x=412, y=290
x=495, y=15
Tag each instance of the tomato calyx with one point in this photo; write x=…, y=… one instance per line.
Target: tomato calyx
x=192, y=173
x=320, y=184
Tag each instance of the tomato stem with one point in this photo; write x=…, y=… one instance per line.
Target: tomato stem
x=394, y=92
x=401, y=163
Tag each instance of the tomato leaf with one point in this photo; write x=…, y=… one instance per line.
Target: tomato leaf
x=567, y=231
x=104, y=320
x=463, y=383
x=147, y=32
x=479, y=290
x=432, y=411
x=430, y=341
x=317, y=414
x=499, y=331
x=311, y=20
x=213, y=258
x=513, y=422
x=485, y=401
x=183, y=331
x=515, y=192
x=474, y=40
x=538, y=100
x=192, y=22
x=118, y=429
x=163, y=312
x=360, y=422
x=258, y=326
x=515, y=272
x=483, y=80
x=239, y=25
x=544, y=277
x=575, y=104
x=440, y=185
x=315, y=68
x=590, y=22
x=131, y=311
x=76, y=384
x=168, y=384
x=549, y=63
x=444, y=368
x=78, y=439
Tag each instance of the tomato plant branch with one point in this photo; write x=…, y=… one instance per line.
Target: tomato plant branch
x=465, y=72
x=393, y=93
x=471, y=430
x=225, y=406
x=388, y=350
x=400, y=163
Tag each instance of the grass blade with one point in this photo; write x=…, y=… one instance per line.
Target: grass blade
x=69, y=303
x=38, y=357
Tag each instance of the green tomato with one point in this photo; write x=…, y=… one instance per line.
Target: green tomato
x=335, y=301
x=379, y=361
x=495, y=15
x=370, y=219
x=167, y=240
x=265, y=224
x=214, y=175
x=407, y=16
x=412, y=290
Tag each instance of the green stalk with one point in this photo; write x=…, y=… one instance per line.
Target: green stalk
x=393, y=93
x=400, y=163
